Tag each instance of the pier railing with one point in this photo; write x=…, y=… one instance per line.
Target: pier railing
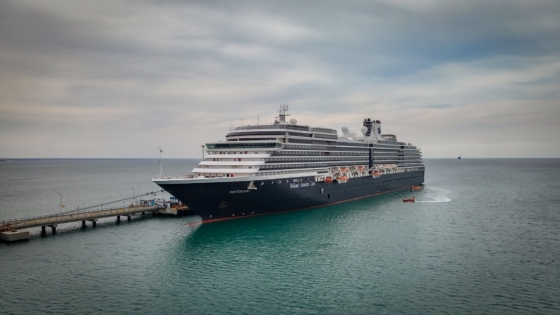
x=73, y=216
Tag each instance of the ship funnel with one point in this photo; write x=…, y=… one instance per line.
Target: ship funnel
x=368, y=123
x=377, y=129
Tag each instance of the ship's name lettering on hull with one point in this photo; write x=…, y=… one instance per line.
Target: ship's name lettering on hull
x=301, y=185
x=238, y=191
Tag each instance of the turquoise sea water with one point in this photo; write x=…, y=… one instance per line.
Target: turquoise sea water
x=484, y=238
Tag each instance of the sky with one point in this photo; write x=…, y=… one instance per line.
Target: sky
x=119, y=79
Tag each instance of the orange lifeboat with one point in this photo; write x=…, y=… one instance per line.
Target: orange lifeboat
x=376, y=174
x=415, y=188
x=360, y=168
x=409, y=199
x=342, y=179
x=328, y=180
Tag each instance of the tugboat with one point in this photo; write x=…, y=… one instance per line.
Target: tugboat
x=409, y=199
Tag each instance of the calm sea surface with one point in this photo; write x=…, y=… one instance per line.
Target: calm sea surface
x=484, y=239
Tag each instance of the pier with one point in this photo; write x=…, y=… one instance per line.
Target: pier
x=11, y=230
x=54, y=219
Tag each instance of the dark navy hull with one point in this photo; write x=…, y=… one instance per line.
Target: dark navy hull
x=225, y=200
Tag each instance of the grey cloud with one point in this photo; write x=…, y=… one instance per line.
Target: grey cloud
x=179, y=66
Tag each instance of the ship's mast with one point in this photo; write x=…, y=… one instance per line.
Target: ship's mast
x=160, y=167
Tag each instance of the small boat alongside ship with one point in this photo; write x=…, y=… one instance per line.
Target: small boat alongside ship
x=411, y=199
x=288, y=166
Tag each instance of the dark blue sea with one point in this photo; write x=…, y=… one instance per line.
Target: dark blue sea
x=484, y=238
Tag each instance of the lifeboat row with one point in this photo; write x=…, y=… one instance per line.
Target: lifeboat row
x=342, y=174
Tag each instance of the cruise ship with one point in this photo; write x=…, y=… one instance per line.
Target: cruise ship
x=287, y=166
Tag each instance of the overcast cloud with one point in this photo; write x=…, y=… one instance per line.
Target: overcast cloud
x=477, y=78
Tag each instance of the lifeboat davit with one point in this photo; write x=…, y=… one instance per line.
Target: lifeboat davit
x=409, y=199
x=415, y=188
x=342, y=179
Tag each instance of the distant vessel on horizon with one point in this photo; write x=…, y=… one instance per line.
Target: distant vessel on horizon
x=459, y=158
x=287, y=166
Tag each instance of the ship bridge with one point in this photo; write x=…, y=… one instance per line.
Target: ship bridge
x=233, y=159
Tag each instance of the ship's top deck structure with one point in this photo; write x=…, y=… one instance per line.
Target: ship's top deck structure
x=290, y=148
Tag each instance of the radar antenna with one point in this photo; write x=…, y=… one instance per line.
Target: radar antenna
x=283, y=112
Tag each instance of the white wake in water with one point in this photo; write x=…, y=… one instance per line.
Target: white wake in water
x=434, y=194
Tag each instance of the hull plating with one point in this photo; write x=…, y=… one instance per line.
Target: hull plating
x=215, y=201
